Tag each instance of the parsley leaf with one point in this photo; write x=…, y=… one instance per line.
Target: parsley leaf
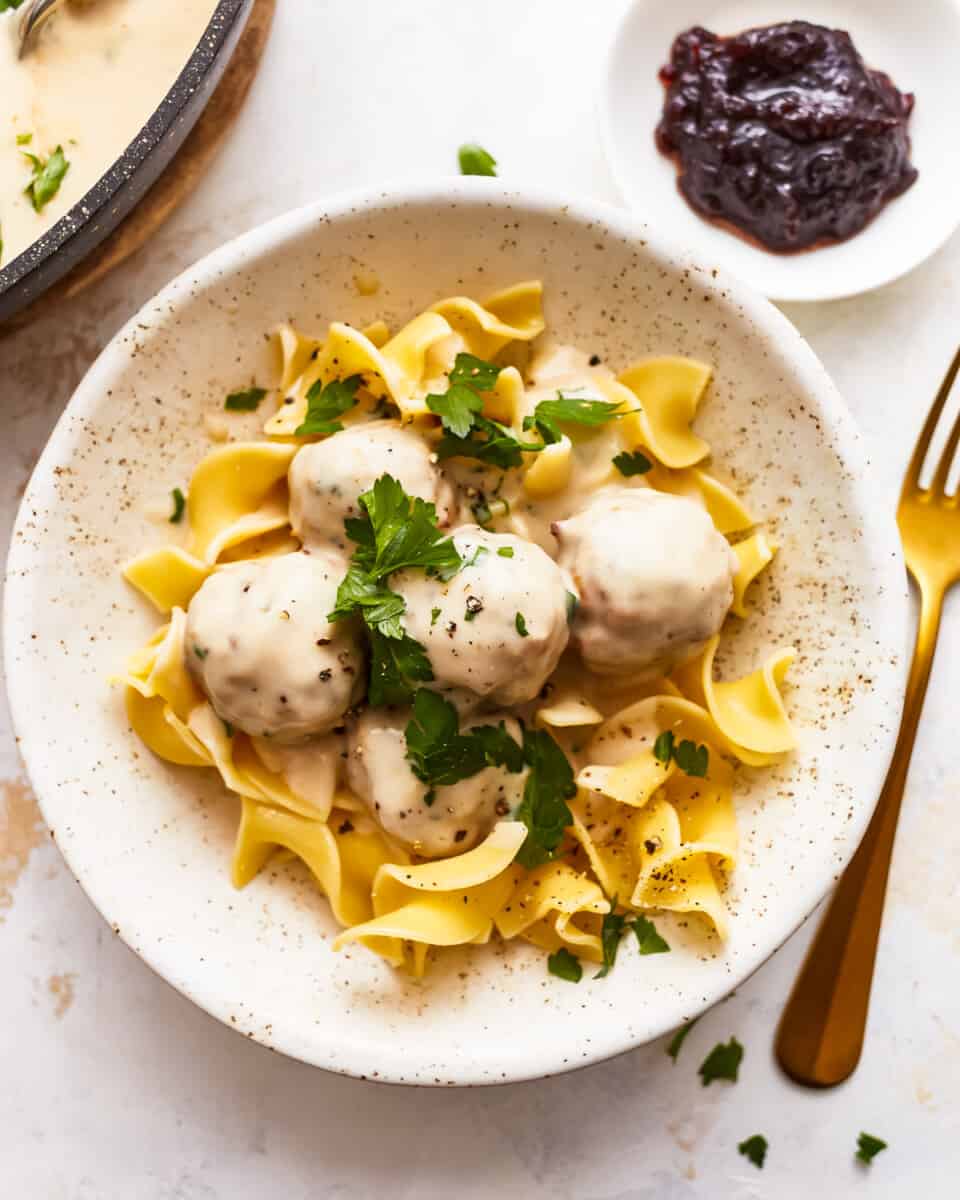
x=679, y=1038
x=611, y=931
x=648, y=937
x=505, y=552
x=474, y=160
x=663, y=746
x=23, y=139
x=247, y=400
x=543, y=808
x=572, y=410
x=496, y=445
x=47, y=177
x=565, y=965
x=754, y=1148
x=723, y=1062
x=179, y=504
x=326, y=403
x=396, y=664
x=400, y=531
x=439, y=754
x=476, y=372
x=521, y=624
x=457, y=408
x=6, y=5
x=395, y=531
x=868, y=1147
x=572, y=603
x=692, y=759
x=632, y=464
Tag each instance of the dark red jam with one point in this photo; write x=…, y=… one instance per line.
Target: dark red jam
x=784, y=132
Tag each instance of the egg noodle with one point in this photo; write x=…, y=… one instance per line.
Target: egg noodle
x=645, y=834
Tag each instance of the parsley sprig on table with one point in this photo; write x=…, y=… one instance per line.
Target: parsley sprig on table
x=754, y=1148
x=326, y=403
x=868, y=1147
x=439, y=754
x=723, y=1062
x=396, y=531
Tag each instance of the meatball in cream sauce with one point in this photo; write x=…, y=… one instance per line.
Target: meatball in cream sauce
x=497, y=629
x=461, y=814
x=260, y=646
x=328, y=478
x=654, y=577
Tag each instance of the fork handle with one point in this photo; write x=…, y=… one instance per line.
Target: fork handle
x=821, y=1032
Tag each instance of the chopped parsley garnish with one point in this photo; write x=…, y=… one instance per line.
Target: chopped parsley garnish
x=634, y=463
x=47, y=176
x=679, y=1038
x=326, y=403
x=611, y=931
x=568, y=410
x=179, y=505
x=467, y=432
x=23, y=139
x=434, y=613
x=723, y=1062
x=474, y=160
x=200, y=652
x=521, y=624
x=395, y=531
x=6, y=5
x=439, y=754
x=613, y=928
x=543, y=808
x=690, y=758
x=868, y=1147
x=228, y=729
x=573, y=603
x=648, y=937
x=754, y=1148
x=247, y=400
x=475, y=557
x=396, y=665
x=565, y=965
x=505, y=552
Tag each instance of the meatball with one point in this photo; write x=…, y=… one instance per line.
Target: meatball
x=327, y=478
x=260, y=646
x=655, y=580
x=461, y=815
x=499, y=626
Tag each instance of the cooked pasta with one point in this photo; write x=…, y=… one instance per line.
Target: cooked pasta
x=449, y=632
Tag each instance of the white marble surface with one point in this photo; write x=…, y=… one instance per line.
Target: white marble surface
x=114, y=1086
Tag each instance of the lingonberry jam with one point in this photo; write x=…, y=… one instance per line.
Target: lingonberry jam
x=784, y=132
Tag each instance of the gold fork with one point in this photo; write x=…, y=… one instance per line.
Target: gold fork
x=821, y=1032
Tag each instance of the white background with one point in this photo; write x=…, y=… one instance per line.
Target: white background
x=113, y=1086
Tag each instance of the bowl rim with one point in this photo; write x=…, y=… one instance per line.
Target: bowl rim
x=79, y=216
x=879, y=529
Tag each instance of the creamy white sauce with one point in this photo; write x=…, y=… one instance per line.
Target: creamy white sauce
x=259, y=644
x=460, y=816
x=327, y=478
x=497, y=629
x=97, y=71
x=654, y=577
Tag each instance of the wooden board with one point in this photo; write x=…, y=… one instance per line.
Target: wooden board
x=179, y=179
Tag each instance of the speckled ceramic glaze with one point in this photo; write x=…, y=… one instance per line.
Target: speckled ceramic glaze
x=151, y=843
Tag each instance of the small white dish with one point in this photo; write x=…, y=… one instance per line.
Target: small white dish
x=918, y=45
x=151, y=843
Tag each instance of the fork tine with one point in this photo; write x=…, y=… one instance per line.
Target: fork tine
x=938, y=485
x=912, y=477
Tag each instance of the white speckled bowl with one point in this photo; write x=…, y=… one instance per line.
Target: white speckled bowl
x=151, y=843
